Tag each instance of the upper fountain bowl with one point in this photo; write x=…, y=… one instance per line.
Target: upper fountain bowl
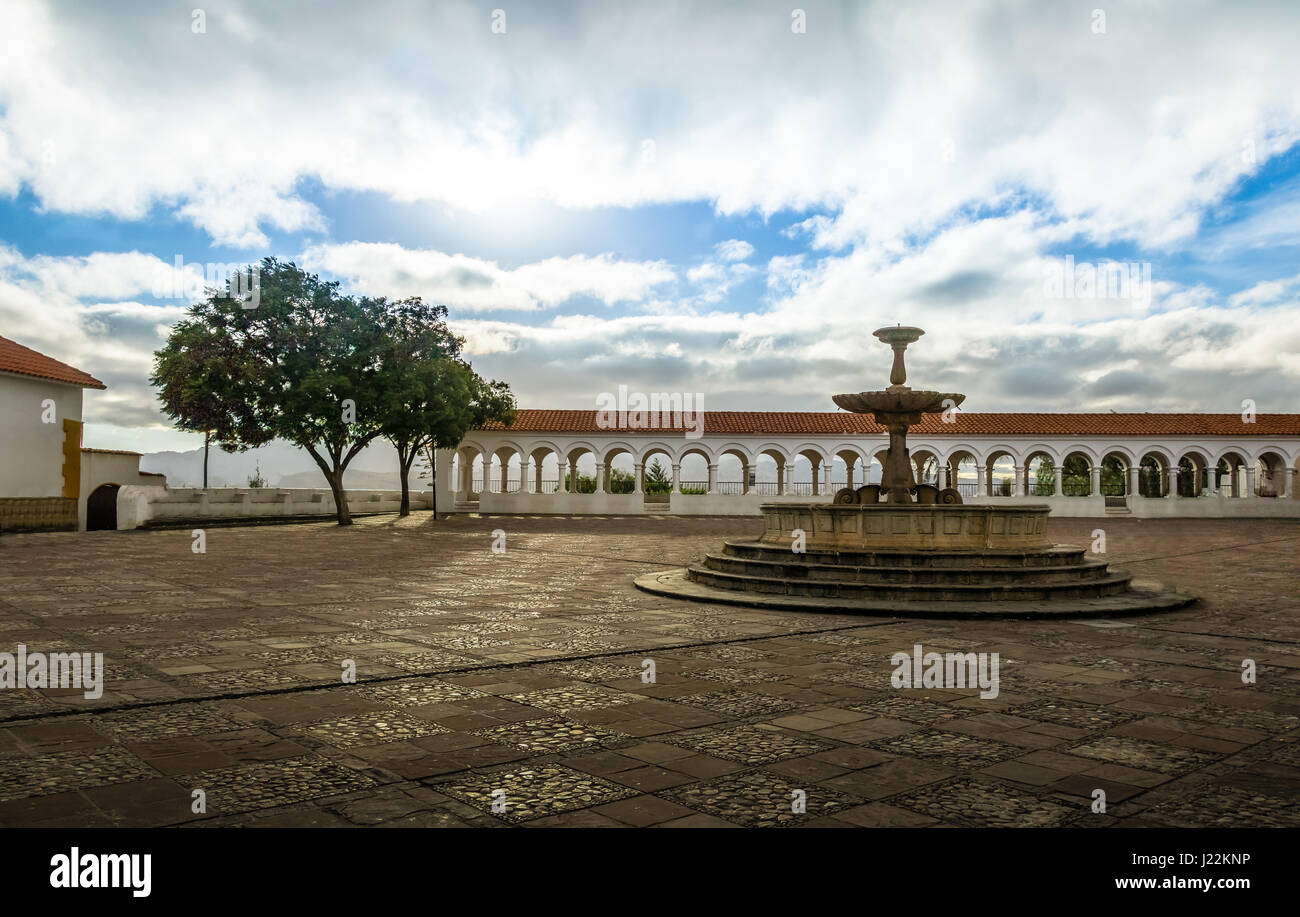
x=898, y=334
x=899, y=401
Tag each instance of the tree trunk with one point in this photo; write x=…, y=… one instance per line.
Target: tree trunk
x=404, y=459
x=340, y=497
x=433, y=481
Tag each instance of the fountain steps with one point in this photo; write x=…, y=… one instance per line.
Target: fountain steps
x=1138, y=599
x=792, y=568
x=1108, y=583
x=1049, y=557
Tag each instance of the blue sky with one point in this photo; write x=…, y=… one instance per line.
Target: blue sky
x=674, y=198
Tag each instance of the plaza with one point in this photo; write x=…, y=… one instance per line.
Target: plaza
x=536, y=686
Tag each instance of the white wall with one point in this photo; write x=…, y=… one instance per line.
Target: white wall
x=138, y=505
x=31, y=452
x=121, y=468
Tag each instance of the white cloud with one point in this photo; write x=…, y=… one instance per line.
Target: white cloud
x=911, y=113
x=733, y=250
x=387, y=269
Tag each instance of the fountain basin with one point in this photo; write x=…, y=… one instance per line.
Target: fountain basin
x=906, y=526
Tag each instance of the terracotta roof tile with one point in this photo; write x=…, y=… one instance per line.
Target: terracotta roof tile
x=15, y=358
x=842, y=423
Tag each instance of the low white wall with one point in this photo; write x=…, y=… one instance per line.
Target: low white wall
x=748, y=504
x=138, y=506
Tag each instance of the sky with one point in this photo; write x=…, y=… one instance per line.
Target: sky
x=724, y=199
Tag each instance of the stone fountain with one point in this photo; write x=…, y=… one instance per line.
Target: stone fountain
x=899, y=548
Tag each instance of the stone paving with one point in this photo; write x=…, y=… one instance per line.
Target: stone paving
x=498, y=690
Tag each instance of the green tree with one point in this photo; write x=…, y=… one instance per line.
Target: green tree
x=325, y=371
x=199, y=377
x=1045, y=478
x=657, y=480
x=429, y=396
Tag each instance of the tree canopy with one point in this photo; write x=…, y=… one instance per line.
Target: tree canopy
x=326, y=371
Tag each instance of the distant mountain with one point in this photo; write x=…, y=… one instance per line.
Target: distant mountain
x=274, y=461
x=352, y=480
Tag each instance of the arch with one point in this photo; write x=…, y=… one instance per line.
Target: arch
x=655, y=447
x=740, y=450
x=1193, y=473
x=1153, y=474
x=993, y=450
x=999, y=470
x=1076, y=473
x=723, y=483
x=1089, y=453
x=1230, y=473
x=963, y=470
x=1270, y=465
x=615, y=480
x=1039, y=473
x=1115, y=477
x=696, y=448
x=925, y=466
x=101, y=508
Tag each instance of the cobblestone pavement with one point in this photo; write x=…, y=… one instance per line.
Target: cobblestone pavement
x=516, y=678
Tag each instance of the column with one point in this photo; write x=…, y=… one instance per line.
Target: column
x=537, y=477
x=1058, y=478
x=565, y=486
x=1173, y=483
x=1019, y=486
x=784, y=473
x=525, y=468
x=1132, y=487
x=1250, y=481
x=982, y=481
x=713, y=479
x=942, y=480
x=1212, y=481
x=744, y=477
x=677, y=478
x=602, y=478
x=848, y=474
x=638, y=470
x=1094, y=485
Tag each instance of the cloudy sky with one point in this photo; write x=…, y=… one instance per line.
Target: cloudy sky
x=713, y=198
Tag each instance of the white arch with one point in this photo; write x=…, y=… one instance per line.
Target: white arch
x=1171, y=461
x=655, y=447
x=737, y=449
x=1083, y=449
x=993, y=450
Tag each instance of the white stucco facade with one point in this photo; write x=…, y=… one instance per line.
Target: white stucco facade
x=32, y=412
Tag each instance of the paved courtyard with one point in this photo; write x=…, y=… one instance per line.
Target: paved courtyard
x=486, y=678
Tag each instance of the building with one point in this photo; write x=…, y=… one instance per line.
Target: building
x=48, y=482
x=1197, y=465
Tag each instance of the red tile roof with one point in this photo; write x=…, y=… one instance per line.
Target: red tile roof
x=15, y=358
x=842, y=423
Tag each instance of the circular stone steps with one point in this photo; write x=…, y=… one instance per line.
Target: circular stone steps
x=1140, y=598
x=886, y=576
